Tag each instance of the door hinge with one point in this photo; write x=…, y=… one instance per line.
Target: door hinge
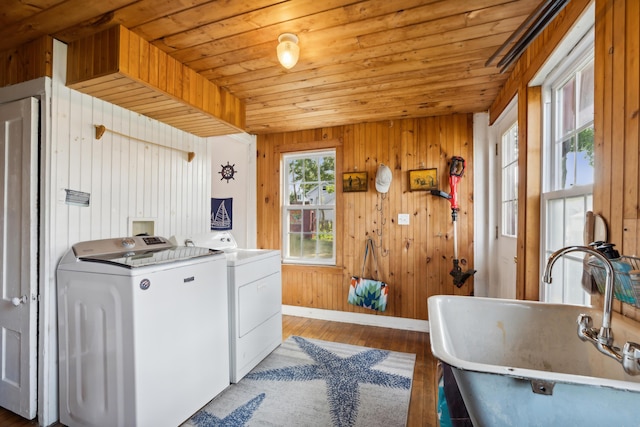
x=496, y=232
x=496, y=149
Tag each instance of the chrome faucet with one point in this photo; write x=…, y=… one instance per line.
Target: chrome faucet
x=602, y=339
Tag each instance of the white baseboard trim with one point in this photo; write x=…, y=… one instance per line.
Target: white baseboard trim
x=357, y=318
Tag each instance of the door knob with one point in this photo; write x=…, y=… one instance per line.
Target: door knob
x=17, y=301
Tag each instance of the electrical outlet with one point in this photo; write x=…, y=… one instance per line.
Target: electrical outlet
x=403, y=219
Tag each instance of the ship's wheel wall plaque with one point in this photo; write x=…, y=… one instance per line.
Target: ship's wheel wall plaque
x=227, y=172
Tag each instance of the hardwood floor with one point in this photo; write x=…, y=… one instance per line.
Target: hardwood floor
x=422, y=407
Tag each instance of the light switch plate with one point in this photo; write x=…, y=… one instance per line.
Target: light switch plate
x=403, y=219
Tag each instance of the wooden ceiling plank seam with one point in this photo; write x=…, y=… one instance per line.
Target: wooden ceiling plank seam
x=17, y=10
x=148, y=104
x=323, y=123
x=135, y=14
x=134, y=91
x=127, y=90
x=53, y=19
x=369, y=92
x=384, y=113
x=102, y=82
x=348, y=105
x=169, y=25
x=356, y=116
x=481, y=15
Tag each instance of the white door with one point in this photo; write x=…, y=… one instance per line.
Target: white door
x=18, y=256
x=505, y=132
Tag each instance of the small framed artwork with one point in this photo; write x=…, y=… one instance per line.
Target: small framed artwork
x=423, y=179
x=354, y=181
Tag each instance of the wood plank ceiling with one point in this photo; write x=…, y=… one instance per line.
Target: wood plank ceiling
x=360, y=61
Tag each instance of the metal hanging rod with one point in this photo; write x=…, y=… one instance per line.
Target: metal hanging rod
x=534, y=24
x=101, y=129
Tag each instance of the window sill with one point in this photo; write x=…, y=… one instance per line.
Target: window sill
x=308, y=268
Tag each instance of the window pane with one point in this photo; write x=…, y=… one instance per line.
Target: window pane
x=295, y=221
x=510, y=145
x=567, y=107
x=509, y=218
x=510, y=181
x=555, y=216
x=308, y=245
x=584, y=157
x=295, y=246
x=573, y=294
x=585, y=110
x=574, y=220
x=553, y=292
x=568, y=164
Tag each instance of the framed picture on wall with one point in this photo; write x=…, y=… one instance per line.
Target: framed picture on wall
x=423, y=179
x=354, y=181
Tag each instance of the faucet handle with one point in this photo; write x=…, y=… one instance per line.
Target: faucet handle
x=586, y=331
x=631, y=358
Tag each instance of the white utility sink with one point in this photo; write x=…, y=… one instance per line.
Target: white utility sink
x=521, y=363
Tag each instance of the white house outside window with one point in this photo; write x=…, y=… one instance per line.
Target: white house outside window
x=309, y=207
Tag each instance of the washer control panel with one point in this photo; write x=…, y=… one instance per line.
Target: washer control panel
x=120, y=244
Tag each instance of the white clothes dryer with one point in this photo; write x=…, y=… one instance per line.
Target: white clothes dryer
x=255, y=300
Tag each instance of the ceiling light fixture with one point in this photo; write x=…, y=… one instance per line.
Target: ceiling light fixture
x=288, y=50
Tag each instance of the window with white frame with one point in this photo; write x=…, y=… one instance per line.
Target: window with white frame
x=510, y=181
x=309, y=207
x=568, y=168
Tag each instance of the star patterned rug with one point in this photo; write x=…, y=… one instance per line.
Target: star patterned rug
x=307, y=382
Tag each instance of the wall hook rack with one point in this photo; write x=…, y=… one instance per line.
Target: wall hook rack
x=101, y=129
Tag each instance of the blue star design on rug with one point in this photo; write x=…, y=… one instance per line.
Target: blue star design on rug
x=238, y=418
x=343, y=377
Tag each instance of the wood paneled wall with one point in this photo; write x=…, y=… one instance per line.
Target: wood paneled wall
x=418, y=257
x=616, y=194
x=27, y=62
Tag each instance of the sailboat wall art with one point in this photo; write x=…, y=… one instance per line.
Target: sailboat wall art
x=221, y=214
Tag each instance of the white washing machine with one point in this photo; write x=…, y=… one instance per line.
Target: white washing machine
x=143, y=332
x=255, y=301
